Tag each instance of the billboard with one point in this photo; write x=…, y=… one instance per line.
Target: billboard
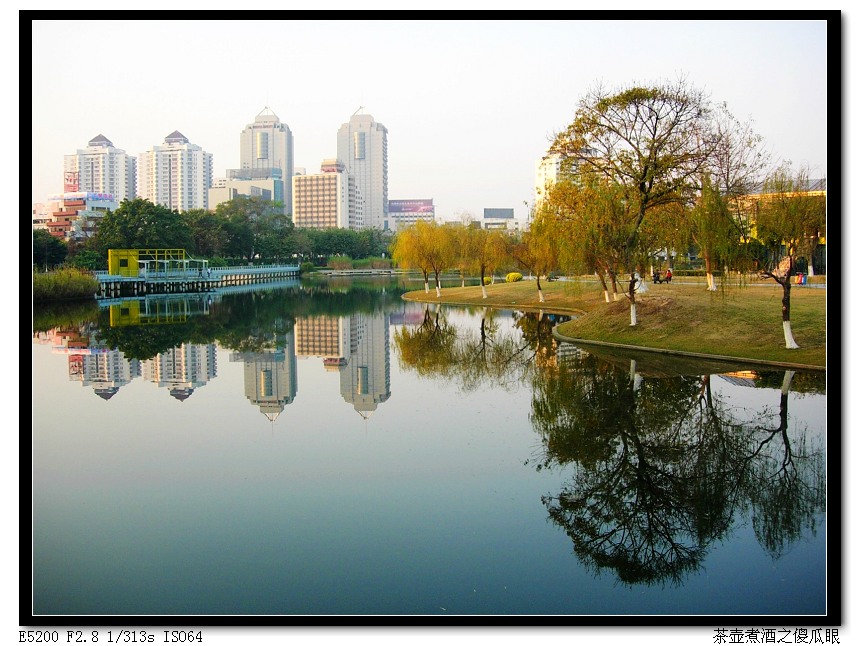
x=498, y=213
x=71, y=181
x=410, y=206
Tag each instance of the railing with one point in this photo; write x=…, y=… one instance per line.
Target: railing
x=212, y=272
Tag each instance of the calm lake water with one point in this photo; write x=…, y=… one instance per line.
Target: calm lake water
x=330, y=449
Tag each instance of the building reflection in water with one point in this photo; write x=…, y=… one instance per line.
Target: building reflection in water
x=182, y=369
x=271, y=377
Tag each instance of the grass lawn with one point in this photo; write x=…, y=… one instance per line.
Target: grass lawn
x=743, y=321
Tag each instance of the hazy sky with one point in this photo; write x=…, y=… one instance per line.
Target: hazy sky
x=470, y=106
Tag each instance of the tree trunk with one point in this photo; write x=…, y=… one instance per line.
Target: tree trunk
x=483, y=286
x=631, y=294
x=605, y=288
x=790, y=343
x=540, y=291
x=426, y=283
x=810, y=270
x=615, y=294
x=709, y=274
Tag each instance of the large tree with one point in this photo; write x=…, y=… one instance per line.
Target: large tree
x=651, y=142
x=249, y=222
x=140, y=224
x=787, y=217
x=48, y=251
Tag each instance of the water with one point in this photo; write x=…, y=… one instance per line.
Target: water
x=329, y=449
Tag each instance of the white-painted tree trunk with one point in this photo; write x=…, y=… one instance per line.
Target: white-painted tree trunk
x=483, y=290
x=426, y=287
x=811, y=268
x=540, y=296
x=632, y=313
x=712, y=284
x=790, y=343
x=438, y=291
x=606, y=295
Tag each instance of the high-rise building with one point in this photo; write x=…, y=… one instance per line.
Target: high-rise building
x=265, y=145
x=547, y=172
x=328, y=199
x=101, y=168
x=362, y=145
x=176, y=175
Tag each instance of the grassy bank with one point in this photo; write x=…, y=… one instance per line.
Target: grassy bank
x=63, y=285
x=739, y=321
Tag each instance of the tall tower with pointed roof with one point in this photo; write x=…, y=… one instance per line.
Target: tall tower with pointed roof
x=362, y=145
x=176, y=175
x=101, y=168
x=266, y=145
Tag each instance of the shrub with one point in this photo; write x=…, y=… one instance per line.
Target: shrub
x=513, y=277
x=488, y=280
x=306, y=267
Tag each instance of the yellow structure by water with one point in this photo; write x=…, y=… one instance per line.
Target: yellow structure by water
x=138, y=262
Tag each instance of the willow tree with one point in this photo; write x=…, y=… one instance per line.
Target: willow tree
x=490, y=251
x=787, y=216
x=586, y=211
x=650, y=142
x=410, y=250
x=537, y=250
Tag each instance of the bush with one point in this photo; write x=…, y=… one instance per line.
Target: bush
x=306, y=267
x=488, y=280
x=513, y=277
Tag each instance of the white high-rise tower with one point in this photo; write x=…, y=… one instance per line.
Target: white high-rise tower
x=362, y=145
x=101, y=168
x=265, y=145
x=176, y=175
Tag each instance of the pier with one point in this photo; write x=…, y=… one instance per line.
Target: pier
x=188, y=281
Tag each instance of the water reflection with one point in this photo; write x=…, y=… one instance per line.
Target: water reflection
x=658, y=468
x=655, y=465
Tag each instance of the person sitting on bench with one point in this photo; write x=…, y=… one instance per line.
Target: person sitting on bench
x=656, y=276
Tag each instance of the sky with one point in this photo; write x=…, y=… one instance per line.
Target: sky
x=470, y=106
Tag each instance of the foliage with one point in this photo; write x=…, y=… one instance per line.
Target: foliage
x=646, y=147
x=48, y=251
x=513, y=277
x=140, y=224
x=88, y=259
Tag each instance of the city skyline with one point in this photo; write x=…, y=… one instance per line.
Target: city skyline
x=466, y=121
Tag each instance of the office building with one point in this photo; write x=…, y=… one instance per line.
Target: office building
x=403, y=213
x=266, y=146
x=328, y=199
x=362, y=145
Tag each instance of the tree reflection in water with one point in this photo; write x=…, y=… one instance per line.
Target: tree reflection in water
x=661, y=467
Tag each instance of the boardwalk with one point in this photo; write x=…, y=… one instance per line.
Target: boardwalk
x=189, y=281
